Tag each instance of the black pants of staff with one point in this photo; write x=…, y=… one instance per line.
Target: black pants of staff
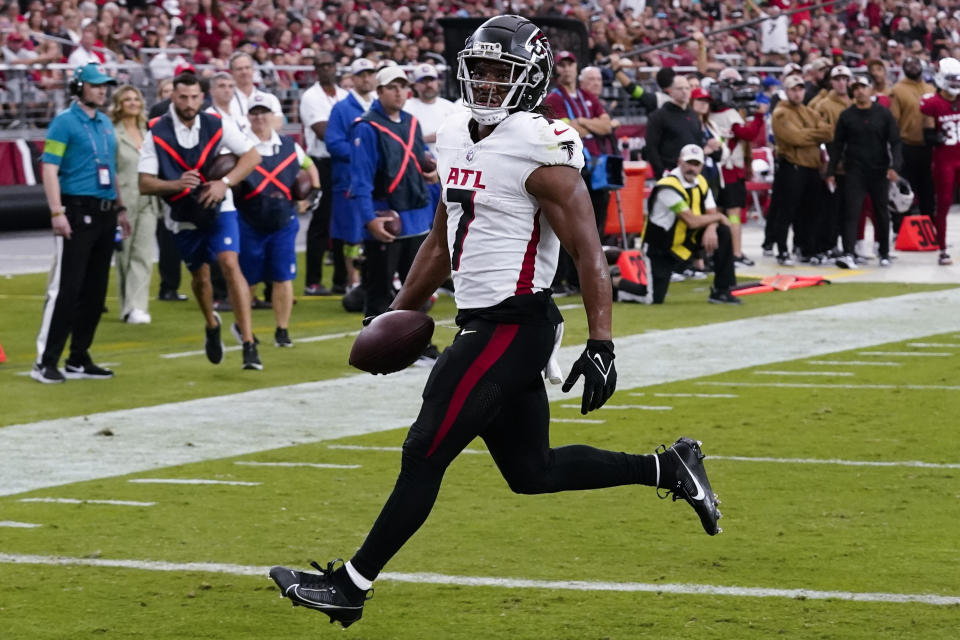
x=168, y=263
x=78, y=280
x=663, y=263
x=318, y=233
x=857, y=186
x=827, y=220
x=381, y=261
x=917, y=160
x=796, y=190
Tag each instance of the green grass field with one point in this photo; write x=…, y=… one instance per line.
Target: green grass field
x=795, y=517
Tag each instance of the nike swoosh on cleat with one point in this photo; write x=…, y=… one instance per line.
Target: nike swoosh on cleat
x=700, y=492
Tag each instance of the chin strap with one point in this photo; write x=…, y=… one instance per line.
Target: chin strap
x=489, y=116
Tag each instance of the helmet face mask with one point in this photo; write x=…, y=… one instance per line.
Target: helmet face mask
x=504, y=67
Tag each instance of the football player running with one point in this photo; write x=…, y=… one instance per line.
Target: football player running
x=512, y=194
x=941, y=129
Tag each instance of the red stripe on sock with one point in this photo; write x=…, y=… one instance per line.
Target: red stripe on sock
x=502, y=337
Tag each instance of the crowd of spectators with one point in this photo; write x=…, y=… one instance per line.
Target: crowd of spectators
x=281, y=33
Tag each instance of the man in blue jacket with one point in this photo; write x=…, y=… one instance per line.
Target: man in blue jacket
x=344, y=225
x=386, y=173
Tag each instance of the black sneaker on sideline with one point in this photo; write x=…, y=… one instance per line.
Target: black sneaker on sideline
x=846, y=261
x=784, y=260
x=321, y=592
x=316, y=290
x=85, y=370
x=743, y=261
x=684, y=476
x=281, y=338
x=46, y=374
x=251, y=359
x=214, y=344
x=723, y=297
x=238, y=335
x=171, y=296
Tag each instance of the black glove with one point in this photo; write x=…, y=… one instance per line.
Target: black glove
x=595, y=364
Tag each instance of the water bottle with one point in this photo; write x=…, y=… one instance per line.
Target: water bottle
x=118, y=238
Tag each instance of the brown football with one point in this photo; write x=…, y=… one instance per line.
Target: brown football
x=221, y=166
x=392, y=341
x=394, y=225
x=429, y=163
x=301, y=186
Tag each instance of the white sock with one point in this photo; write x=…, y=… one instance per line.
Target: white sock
x=362, y=583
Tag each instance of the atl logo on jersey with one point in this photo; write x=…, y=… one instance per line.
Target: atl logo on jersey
x=461, y=177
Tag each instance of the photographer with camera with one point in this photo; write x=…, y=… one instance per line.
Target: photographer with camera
x=733, y=100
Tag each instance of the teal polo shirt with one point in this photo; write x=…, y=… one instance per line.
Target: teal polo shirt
x=79, y=144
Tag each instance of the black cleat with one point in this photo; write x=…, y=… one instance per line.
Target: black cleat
x=251, y=359
x=321, y=593
x=214, y=345
x=281, y=338
x=85, y=370
x=684, y=476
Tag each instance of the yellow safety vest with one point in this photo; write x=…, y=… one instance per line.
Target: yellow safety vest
x=678, y=239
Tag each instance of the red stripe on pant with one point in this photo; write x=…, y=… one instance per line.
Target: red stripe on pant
x=502, y=337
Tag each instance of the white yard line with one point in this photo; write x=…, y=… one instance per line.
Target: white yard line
x=578, y=420
x=506, y=583
x=313, y=465
x=687, y=395
x=357, y=447
x=855, y=363
x=67, y=450
x=905, y=354
x=237, y=483
x=835, y=374
x=116, y=503
x=935, y=345
x=13, y=524
x=825, y=385
x=624, y=407
x=845, y=463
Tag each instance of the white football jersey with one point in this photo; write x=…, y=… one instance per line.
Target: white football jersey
x=500, y=244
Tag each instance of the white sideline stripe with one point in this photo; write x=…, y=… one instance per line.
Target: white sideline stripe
x=357, y=447
x=507, y=583
x=834, y=374
x=65, y=450
x=846, y=463
x=816, y=385
x=919, y=354
x=329, y=336
x=201, y=352
x=616, y=407
x=237, y=483
x=118, y=503
x=13, y=524
x=687, y=395
x=314, y=465
x=946, y=345
x=578, y=420
x=855, y=363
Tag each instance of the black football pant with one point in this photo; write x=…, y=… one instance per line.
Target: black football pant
x=381, y=261
x=796, y=191
x=858, y=186
x=318, y=233
x=828, y=219
x=77, y=286
x=489, y=383
x=917, y=163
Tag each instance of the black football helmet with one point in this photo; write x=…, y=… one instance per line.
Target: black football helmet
x=527, y=64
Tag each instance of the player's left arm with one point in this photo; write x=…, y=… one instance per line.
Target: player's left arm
x=431, y=266
x=564, y=200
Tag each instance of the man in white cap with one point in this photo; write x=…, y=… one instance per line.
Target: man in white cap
x=683, y=220
x=386, y=173
x=345, y=227
x=242, y=70
x=430, y=110
x=826, y=226
x=427, y=106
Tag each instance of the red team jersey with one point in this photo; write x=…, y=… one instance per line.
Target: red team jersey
x=946, y=115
